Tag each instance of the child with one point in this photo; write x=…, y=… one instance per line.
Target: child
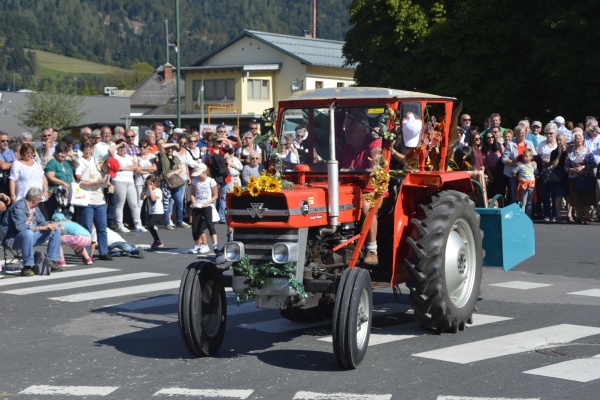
x=74, y=236
x=204, y=194
x=153, y=193
x=117, y=245
x=525, y=173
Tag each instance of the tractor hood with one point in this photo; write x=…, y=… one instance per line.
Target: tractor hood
x=304, y=206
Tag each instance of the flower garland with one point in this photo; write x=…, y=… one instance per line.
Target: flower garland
x=258, y=275
x=379, y=180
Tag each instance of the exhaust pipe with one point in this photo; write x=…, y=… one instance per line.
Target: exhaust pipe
x=333, y=172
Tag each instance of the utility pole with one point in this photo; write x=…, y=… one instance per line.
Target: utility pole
x=178, y=62
x=167, y=37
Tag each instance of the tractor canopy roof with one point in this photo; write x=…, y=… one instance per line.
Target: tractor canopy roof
x=348, y=93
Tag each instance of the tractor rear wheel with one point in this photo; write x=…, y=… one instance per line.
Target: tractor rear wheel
x=352, y=317
x=202, y=309
x=445, y=259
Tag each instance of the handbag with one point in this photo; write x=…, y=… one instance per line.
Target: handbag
x=553, y=175
x=79, y=196
x=174, y=181
x=585, y=183
x=215, y=214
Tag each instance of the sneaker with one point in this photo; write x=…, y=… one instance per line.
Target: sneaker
x=371, y=258
x=216, y=250
x=157, y=245
x=195, y=250
x=553, y=220
x=169, y=227
x=27, y=271
x=140, y=228
x=183, y=225
x=122, y=229
x=204, y=249
x=57, y=266
x=140, y=251
x=88, y=261
x=105, y=257
x=547, y=219
x=113, y=227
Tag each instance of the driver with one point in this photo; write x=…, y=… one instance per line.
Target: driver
x=358, y=154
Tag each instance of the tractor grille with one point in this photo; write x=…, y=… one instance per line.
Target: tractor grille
x=273, y=208
x=258, y=243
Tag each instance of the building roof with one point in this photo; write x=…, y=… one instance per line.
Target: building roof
x=309, y=51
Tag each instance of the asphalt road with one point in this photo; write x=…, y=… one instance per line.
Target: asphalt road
x=110, y=331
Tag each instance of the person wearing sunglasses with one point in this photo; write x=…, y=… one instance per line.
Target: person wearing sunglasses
x=7, y=157
x=46, y=150
x=465, y=124
x=130, y=146
x=253, y=168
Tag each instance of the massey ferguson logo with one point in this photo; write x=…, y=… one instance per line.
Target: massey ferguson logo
x=257, y=210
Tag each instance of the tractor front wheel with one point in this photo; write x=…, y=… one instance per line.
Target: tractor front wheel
x=352, y=317
x=445, y=259
x=202, y=309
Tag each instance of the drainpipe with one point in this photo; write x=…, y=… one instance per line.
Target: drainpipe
x=333, y=172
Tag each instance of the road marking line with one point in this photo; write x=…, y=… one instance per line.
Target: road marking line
x=70, y=390
x=590, y=292
x=579, y=370
x=283, y=325
x=520, y=285
x=413, y=330
x=86, y=283
x=105, y=294
x=229, y=393
x=58, y=275
x=483, y=398
x=510, y=344
x=340, y=396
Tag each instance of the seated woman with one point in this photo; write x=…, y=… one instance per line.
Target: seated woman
x=288, y=153
x=464, y=160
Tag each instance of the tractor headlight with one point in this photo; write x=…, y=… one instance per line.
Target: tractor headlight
x=234, y=251
x=285, y=252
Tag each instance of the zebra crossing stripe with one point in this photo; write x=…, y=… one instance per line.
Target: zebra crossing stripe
x=579, y=370
x=340, y=396
x=85, y=283
x=70, y=390
x=105, y=294
x=227, y=393
x=413, y=330
x=521, y=285
x=591, y=292
x=61, y=275
x=510, y=344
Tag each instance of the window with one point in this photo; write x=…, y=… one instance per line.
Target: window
x=259, y=89
x=318, y=84
x=215, y=89
x=340, y=84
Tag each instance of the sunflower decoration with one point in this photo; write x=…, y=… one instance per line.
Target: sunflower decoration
x=253, y=190
x=274, y=185
x=263, y=182
x=252, y=181
x=237, y=191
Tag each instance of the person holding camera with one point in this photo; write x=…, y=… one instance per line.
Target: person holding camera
x=169, y=165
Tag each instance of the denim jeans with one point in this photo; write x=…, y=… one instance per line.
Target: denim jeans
x=176, y=196
x=548, y=197
x=95, y=215
x=26, y=240
x=110, y=207
x=124, y=246
x=221, y=201
x=512, y=190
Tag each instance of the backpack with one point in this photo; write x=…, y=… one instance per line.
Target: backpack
x=41, y=263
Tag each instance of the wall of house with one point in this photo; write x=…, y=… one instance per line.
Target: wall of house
x=228, y=105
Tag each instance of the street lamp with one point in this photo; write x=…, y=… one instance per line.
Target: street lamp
x=178, y=61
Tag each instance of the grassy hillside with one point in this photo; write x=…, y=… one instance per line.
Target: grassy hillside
x=54, y=64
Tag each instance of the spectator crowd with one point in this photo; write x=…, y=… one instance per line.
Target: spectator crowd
x=84, y=194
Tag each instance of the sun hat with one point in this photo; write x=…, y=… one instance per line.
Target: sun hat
x=199, y=169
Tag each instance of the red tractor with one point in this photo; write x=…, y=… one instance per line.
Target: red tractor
x=300, y=230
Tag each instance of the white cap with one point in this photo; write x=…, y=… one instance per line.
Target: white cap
x=199, y=169
x=411, y=130
x=559, y=120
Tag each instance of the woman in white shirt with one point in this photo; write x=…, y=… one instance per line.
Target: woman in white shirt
x=25, y=174
x=85, y=160
x=125, y=186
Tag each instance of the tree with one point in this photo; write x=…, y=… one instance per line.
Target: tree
x=514, y=57
x=51, y=108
